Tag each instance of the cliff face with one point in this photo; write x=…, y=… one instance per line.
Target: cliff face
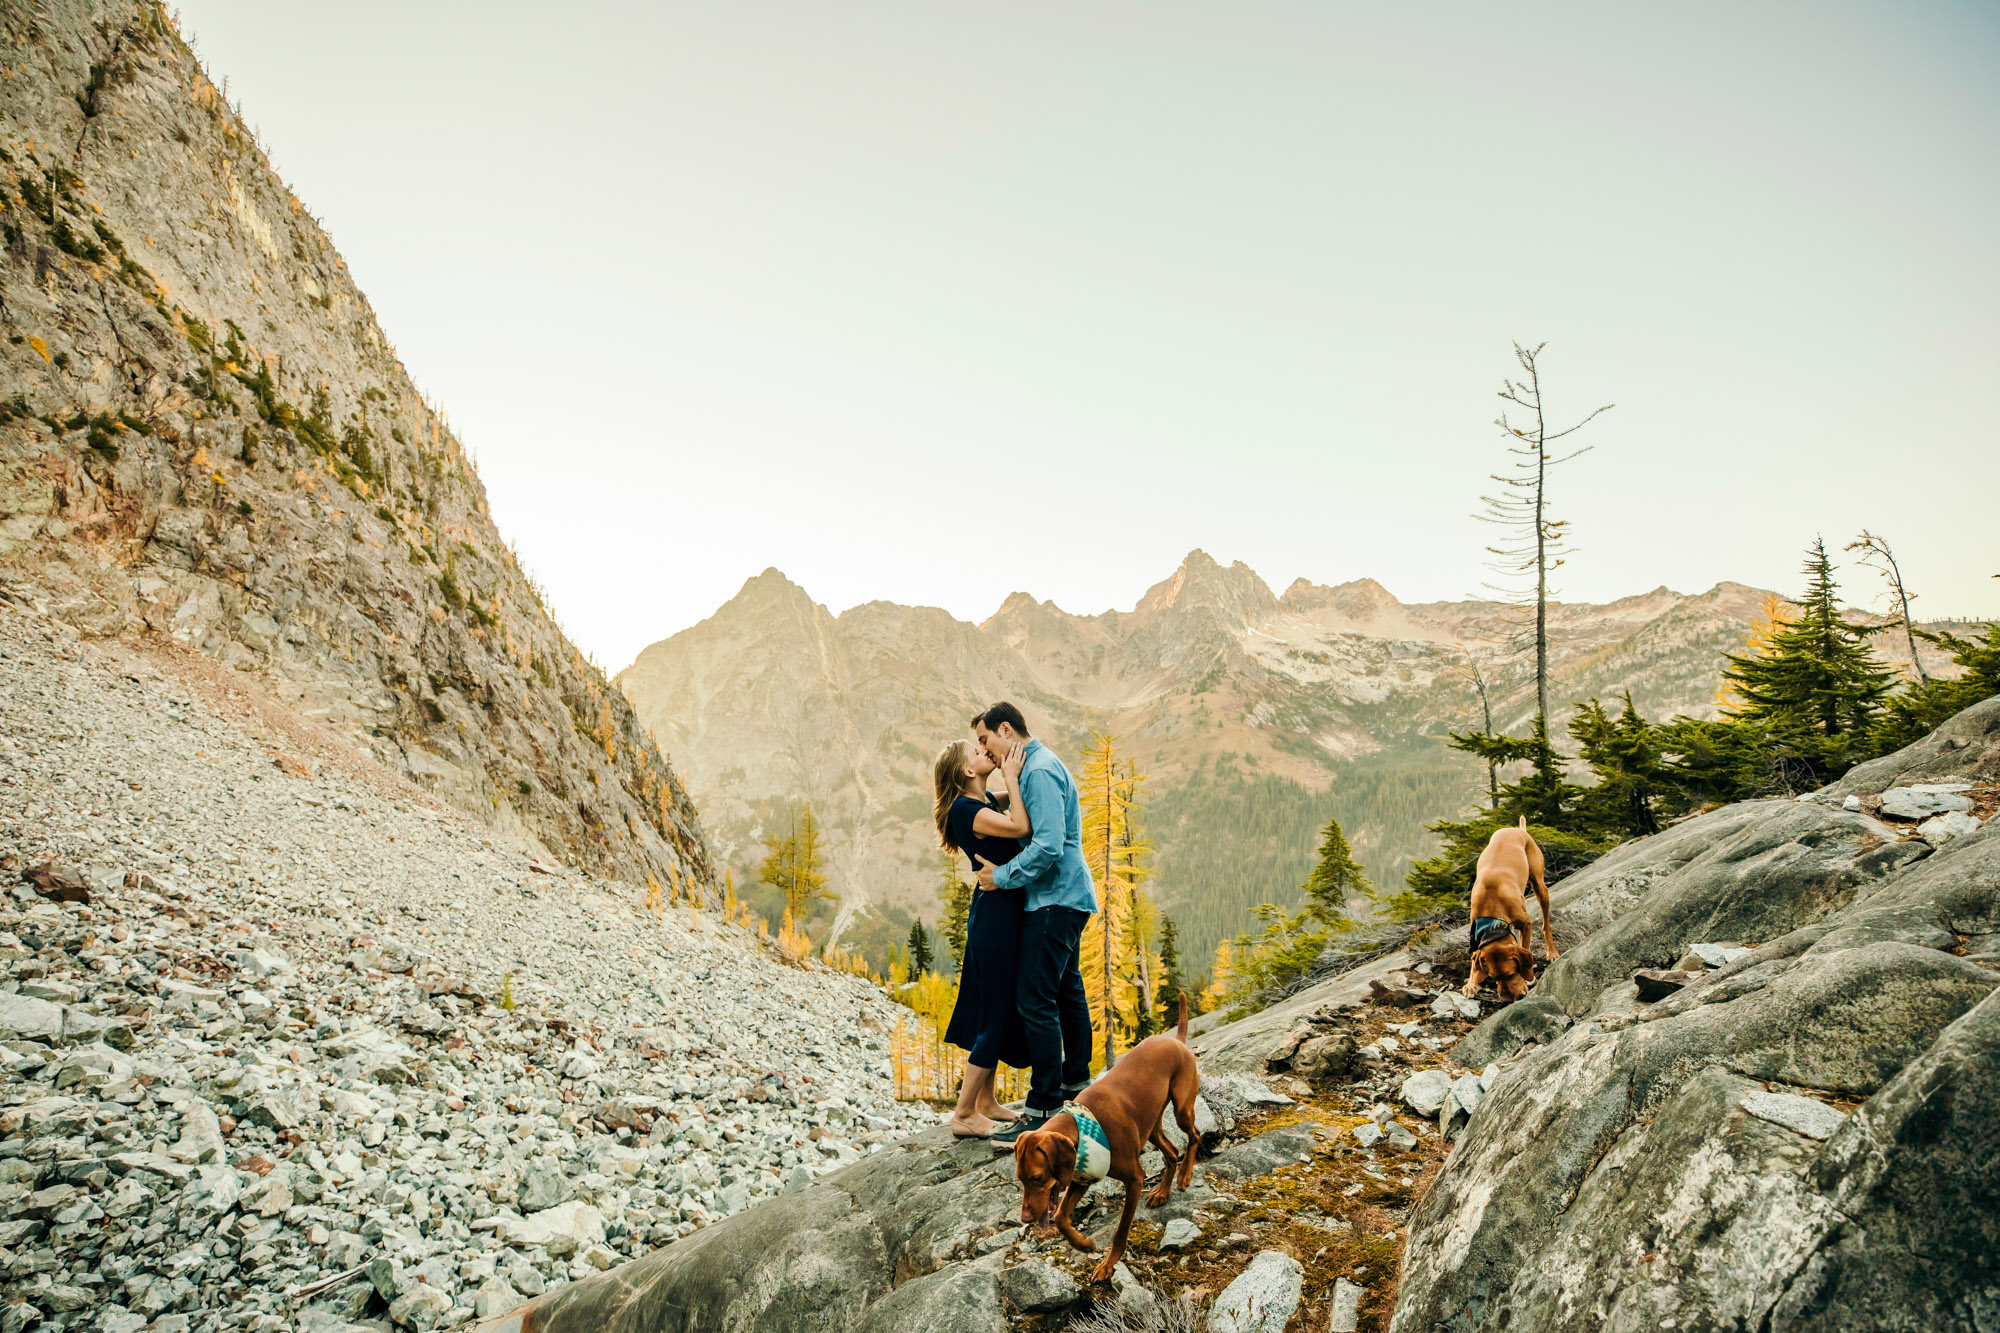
x=204, y=434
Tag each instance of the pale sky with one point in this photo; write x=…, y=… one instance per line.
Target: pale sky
x=930, y=302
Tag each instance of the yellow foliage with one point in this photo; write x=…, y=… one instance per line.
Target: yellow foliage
x=41, y=348
x=794, y=945
x=1219, y=976
x=1774, y=615
x=200, y=458
x=1115, y=957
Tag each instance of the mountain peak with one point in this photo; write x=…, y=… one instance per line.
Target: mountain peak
x=1201, y=583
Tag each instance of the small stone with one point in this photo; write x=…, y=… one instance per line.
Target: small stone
x=1803, y=1115
x=1262, y=1298
x=1657, y=983
x=421, y=1307
x=495, y=1297
x=1455, y=1004
x=201, y=1135
x=543, y=1185
x=1925, y=799
x=386, y=1276
x=1398, y=1136
x=1346, y=1307
x=1369, y=1133
x=1424, y=1091
x=1180, y=1232
x=1401, y=997
x=1944, y=828
x=1716, y=955
x=1852, y=804
x=1036, y=1287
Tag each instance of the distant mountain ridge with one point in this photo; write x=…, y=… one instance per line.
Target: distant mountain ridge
x=1256, y=716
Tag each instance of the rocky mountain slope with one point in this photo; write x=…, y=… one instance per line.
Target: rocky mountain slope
x=204, y=434
x=288, y=1043
x=1802, y=1137
x=1257, y=716
x=1793, y=1131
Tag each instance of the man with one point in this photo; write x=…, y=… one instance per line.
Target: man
x=1051, y=871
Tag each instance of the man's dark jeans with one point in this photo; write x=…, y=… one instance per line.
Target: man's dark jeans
x=1053, y=1008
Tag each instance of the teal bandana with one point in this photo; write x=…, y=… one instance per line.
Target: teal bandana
x=1093, y=1149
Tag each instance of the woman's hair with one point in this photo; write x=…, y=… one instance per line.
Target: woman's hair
x=948, y=774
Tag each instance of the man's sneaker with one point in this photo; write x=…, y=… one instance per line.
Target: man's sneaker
x=1003, y=1139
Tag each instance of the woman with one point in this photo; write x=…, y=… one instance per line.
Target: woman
x=985, y=1021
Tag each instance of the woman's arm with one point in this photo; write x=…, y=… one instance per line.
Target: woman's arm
x=1012, y=822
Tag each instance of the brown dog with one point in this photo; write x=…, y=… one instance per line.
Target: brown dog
x=1128, y=1101
x=1510, y=863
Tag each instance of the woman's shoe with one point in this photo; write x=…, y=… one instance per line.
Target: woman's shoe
x=969, y=1129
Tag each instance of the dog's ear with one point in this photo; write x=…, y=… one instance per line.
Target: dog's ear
x=1023, y=1145
x=1062, y=1159
x=1526, y=964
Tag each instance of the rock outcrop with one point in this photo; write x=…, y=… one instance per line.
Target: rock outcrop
x=205, y=435
x=1804, y=1137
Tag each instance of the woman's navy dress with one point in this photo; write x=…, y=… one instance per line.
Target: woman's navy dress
x=986, y=1022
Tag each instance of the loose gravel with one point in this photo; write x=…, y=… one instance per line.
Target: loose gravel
x=287, y=1045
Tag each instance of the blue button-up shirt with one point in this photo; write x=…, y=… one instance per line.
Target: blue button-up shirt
x=1050, y=868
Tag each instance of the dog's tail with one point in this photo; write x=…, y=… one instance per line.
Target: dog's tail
x=1181, y=1032
x=1524, y=824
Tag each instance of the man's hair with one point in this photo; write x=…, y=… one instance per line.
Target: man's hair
x=1003, y=712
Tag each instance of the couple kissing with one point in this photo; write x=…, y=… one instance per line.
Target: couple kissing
x=1020, y=991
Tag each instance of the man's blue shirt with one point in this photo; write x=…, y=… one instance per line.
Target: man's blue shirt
x=1050, y=867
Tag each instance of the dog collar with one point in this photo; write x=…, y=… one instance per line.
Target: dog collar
x=1487, y=930
x=1093, y=1149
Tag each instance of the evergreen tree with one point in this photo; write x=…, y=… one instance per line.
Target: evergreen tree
x=954, y=907
x=1817, y=690
x=1542, y=794
x=1624, y=754
x=1916, y=712
x=1172, y=984
x=920, y=949
x=1335, y=877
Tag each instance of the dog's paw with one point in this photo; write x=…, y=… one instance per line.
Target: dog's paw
x=1470, y=990
x=1102, y=1273
x=1159, y=1194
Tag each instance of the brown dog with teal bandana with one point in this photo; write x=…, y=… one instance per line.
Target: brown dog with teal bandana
x=1103, y=1132
x=1508, y=869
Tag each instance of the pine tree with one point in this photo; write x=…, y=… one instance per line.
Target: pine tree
x=1916, y=712
x=920, y=949
x=1172, y=984
x=1335, y=878
x=793, y=863
x=1542, y=794
x=954, y=908
x=1625, y=755
x=1817, y=690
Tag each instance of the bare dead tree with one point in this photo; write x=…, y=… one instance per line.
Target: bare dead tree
x=1471, y=671
x=1536, y=542
x=1875, y=553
